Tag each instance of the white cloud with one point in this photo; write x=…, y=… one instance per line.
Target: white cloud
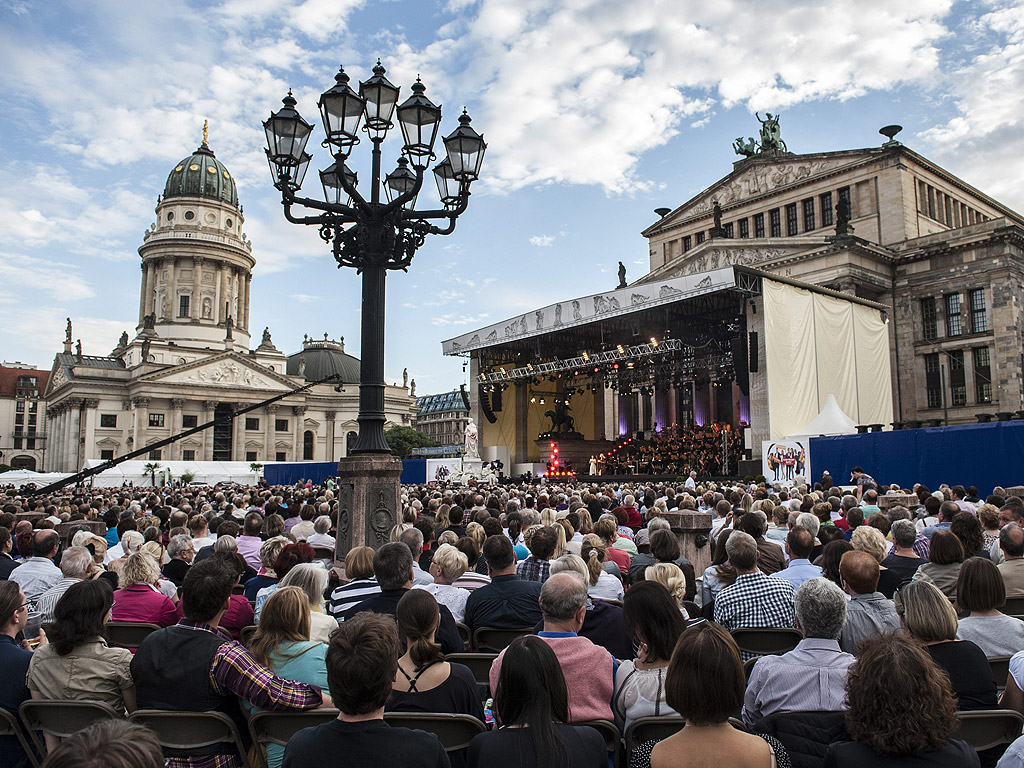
x=305, y=298
x=456, y=319
x=542, y=241
x=61, y=281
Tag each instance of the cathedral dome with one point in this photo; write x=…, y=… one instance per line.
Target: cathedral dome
x=202, y=175
x=320, y=359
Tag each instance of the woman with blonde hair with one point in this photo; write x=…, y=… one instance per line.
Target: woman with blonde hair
x=281, y=642
x=586, y=521
x=869, y=539
x=443, y=519
x=601, y=584
x=139, y=598
x=475, y=531
x=311, y=578
x=447, y=566
x=131, y=542
x=670, y=576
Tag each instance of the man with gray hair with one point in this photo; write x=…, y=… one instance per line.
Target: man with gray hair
x=74, y=565
x=754, y=599
x=1011, y=541
x=589, y=669
x=413, y=539
x=811, y=677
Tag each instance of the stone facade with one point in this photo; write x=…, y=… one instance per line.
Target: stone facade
x=22, y=416
x=190, y=362
x=944, y=257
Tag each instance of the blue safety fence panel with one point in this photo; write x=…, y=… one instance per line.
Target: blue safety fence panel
x=291, y=472
x=983, y=455
x=414, y=471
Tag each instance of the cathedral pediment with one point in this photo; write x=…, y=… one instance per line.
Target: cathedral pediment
x=724, y=252
x=755, y=177
x=226, y=370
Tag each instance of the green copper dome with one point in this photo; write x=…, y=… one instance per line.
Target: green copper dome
x=202, y=175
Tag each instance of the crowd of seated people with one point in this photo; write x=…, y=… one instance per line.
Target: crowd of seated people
x=677, y=450
x=614, y=624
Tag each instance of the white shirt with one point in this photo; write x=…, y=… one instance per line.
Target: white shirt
x=453, y=597
x=610, y=588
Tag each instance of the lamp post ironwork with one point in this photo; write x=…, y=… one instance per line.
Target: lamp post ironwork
x=366, y=233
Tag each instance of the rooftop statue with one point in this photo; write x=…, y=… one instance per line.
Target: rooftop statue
x=771, y=138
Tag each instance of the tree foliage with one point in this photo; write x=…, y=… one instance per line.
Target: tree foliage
x=402, y=440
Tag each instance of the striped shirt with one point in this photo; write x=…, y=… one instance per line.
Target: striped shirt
x=350, y=595
x=235, y=672
x=48, y=600
x=471, y=580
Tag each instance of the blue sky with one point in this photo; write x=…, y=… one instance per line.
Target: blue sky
x=596, y=112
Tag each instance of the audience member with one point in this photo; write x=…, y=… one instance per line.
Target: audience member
x=14, y=665
x=138, y=598
x=361, y=585
x=928, y=617
x=799, y=545
x=362, y=661
x=37, y=573
x=507, y=602
x=267, y=576
x=869, y=613
x=981, y=592
x=181, y=552
x=1011, y=543
x=902, y=563
x=76, y=564
x=602, y=585
x=532, y=703
x=108, y=744
x=289, y=556
x=542, y=546
x=944, y=560
x=900, y=712
x=446, y=567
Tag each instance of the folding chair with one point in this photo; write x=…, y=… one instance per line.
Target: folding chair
x=1000, y=670
x=278, y=727
x=1014, y=606
x=610, y=733
x=453, y=731
x=987, y=728
x=246, y=633
x=9, y=726
x=128, y=634
x=479, y=664
x=748, y=667
x=184, y=732
x=323, y=553
x=61, y=718
x=465, y=634
x=497, y=640
x=649, y=728
x=767, y=641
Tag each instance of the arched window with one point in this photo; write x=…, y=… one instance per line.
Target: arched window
x=350, y=442
x=307, y=446
x=24, y=462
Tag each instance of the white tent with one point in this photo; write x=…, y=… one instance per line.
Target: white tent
x=210, y=472
x=831, y=421
x=19, y=477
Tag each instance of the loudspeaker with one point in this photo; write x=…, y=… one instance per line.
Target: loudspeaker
x=496, y=399
x=753, y=352
x=465, y=396
x=485, y=404
x=739, y=362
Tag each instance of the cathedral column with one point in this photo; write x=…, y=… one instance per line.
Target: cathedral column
x=141, y=420
x=268, y=433
x=330, y=435
x=300, y=412
x=66, y=441
x=209, y=407
x=174, y=449
x=89, y=446
x=196, y=305
x=218, y=296
x=144, y=291
x=248, y=287
x=173, y=290
x=238, y=434
x=59, y=441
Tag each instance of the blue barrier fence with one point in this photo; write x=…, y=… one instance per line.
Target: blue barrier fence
x=413, y=471
x=983, y=455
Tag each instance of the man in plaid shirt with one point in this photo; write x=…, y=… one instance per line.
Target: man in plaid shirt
x=754, y=599
x=536, y=567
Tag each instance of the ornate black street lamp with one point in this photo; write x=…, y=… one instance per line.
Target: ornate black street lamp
x=365, y=233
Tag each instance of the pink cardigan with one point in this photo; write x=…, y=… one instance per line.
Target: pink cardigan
x=141, y=602
x=589, y=675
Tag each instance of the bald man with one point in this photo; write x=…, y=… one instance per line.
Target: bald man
x=869, y=613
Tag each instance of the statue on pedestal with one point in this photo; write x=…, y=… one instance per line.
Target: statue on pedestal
x=472, y=439
x=622, y=275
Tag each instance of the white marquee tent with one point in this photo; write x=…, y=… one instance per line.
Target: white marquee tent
x=210, y=472
x=20, y=477
x=832, y=420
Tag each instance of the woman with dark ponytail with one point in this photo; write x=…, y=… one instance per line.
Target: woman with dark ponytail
x=425, y=682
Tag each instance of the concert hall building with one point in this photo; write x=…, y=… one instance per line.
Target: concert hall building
x=940, y=263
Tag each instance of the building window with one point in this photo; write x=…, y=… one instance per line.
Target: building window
x=809, y=214
x=954, y=325
x=17, y=443
x=307, y=446
x=957, y=381
x=189, y=420
x=700, y=238
x=979, y=320
x=775, y=219
x=33, y=406
x=154, y=455
x=728, y=229
x=106, y=455
x=687, y=243
x=791, y=223
x=27, y=382
x=156, y=419
x=744, y=228
x=280, y=425
x=252, y=424
x=108, y=420
x=19, y=406
x=280, y=456
x=982, y=375
x=30, y=444
x=928, y=318
x=250, y=455
x=933, y=380
x=188, y=454
x=826, y=209
x=758, y=225
x=183, y=306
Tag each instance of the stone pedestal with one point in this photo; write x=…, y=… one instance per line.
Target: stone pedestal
x=908, y=500
x=472, y=468
x=32, y=517
x=693, y=530
x=96, y=526
x=369, y=495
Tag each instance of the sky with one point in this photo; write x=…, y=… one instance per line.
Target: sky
x=595, y=113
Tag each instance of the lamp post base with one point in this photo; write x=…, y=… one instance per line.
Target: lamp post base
x=369, y=501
